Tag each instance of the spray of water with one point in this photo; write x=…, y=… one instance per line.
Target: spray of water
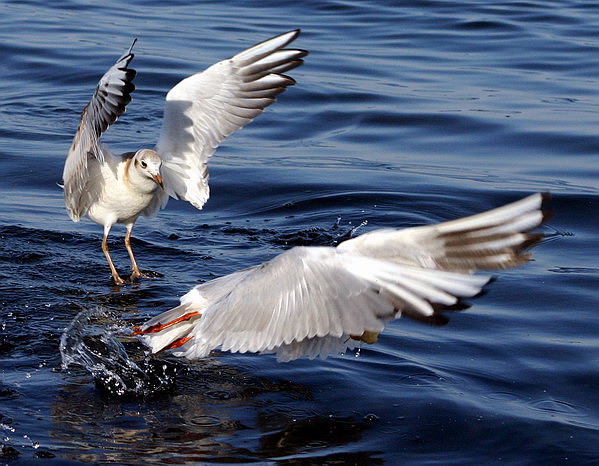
x=88, y=343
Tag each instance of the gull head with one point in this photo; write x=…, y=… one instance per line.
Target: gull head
x=147, y=163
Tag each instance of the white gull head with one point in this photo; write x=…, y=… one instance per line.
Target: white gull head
x=144, y=171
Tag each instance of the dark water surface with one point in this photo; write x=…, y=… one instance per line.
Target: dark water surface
x=405, y=113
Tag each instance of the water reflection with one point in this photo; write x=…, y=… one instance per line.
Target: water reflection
x=214, y=413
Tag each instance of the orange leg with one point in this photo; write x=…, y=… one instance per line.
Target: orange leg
x=115, y=275
x=136, y=272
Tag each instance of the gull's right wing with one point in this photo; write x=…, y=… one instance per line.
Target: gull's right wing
x=110, y=98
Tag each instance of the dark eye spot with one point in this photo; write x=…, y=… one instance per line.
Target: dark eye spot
x=143, y=164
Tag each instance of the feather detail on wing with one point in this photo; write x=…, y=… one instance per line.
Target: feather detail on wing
x=206, y=107
x=110, y=98
x=488, y=241
x=313, y=301
x=307, y=301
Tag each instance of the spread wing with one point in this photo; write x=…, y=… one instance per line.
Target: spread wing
x=314, y=300
x=306, y=301
x=490, y=240
x=206, y=107
x=110, y=98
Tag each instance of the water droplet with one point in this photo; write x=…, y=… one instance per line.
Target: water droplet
x=98, y=351
x=370, y=418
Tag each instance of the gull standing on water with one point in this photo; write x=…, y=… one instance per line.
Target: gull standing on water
x=314, y=301
x=200, y=111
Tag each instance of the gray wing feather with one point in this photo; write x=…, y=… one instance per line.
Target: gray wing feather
x=110, y=98
x=317, y=347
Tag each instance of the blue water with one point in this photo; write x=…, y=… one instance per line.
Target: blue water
x=405, y=113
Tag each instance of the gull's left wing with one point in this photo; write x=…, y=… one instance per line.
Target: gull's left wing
x=206, y=107
x=491, y=240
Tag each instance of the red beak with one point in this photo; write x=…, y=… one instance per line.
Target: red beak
x=158, y=180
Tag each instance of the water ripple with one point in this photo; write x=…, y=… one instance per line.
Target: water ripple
x=405, y=113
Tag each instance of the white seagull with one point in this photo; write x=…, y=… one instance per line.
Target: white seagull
x=199, y=112
x=314, y=301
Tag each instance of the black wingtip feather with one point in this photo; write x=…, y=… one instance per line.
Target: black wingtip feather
x=131, y=48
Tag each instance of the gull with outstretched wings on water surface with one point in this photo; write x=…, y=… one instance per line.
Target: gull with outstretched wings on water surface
x=199, y=112
x=316, y=301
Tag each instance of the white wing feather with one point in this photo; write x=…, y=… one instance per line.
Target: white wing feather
x=309, y=293
x=313, y=300
x=305, y=294
x=490, y=240
x=206, y=107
